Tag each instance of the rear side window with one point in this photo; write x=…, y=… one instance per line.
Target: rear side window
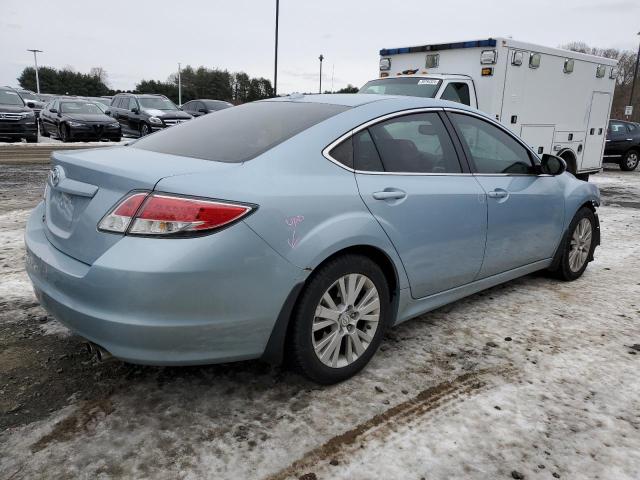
x=492, y=150
x=241, y=133
x=457, y=92
x=615, y=127
x=417, y=143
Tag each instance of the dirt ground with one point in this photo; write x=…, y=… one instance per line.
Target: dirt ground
x=531, y=379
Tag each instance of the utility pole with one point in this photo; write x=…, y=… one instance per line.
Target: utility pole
x=635, y=74
x=321, y=57
x=35, y=60
x=179, y=86
x=333, y=71
x=275, y=66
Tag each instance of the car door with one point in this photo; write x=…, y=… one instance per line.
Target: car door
x=618, y=139
x=409, y=175
x=525, y=208
x=457, y=91
x=133, y=116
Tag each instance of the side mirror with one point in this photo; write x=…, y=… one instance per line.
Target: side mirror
x=53, y=110
x=31, y=104
x=552, y=165
x=202, y=110
x=135, y=110
x=107, y=112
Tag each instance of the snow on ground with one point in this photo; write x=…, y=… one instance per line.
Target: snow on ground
x=535, y=376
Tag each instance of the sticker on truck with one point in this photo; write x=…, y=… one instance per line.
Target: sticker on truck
x=428, y=81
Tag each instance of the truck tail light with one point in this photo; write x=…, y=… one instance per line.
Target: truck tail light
x=161, y=214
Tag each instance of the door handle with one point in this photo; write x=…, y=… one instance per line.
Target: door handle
x=498, y=193
x=390, y=195
x=629, y=139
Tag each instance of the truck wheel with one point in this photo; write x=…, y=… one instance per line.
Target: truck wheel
x=339, y=319
x=579, y=246
x=630, y=161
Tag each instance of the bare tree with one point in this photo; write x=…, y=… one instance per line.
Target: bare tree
x=101, y=74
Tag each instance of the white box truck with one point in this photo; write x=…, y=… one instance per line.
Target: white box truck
x=557, y=100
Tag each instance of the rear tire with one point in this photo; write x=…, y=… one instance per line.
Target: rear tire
x=345, y=291
x=32, y=139
x=630, y=161
x=579, y=246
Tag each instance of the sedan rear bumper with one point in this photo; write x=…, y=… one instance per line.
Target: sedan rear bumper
x=166, y=301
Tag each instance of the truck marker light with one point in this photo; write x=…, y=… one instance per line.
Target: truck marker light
x=487, y=71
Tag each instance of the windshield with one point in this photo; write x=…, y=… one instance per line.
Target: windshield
x=29, y=96
x=79, y=107
x=102, y=106
x=157, y=103
x=8, y=97
x=238, y=134
x=412, y=87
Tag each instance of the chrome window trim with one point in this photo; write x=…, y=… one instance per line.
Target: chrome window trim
x=382, y=118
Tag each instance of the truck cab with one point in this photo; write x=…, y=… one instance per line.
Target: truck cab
x=453, y=87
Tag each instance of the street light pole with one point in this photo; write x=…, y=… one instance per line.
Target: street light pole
x=321, y=57
x=635, y=74
x=179, y=86
x=275, y=65
x=35, y=60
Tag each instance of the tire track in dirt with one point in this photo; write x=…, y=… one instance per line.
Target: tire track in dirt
x=428, y=400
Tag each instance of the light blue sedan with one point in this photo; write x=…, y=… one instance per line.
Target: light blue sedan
x=298, y=228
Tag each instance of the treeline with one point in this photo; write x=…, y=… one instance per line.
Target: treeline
x=210, y=83
x=626, y=66
x=65, y=81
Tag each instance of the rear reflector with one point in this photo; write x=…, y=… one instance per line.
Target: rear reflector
x=159, y=214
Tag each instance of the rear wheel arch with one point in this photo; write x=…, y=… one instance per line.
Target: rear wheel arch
x=276, y=349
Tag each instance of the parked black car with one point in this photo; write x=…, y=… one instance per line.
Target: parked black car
x=17, y=120
x=623, y=144
x=30, y=98
x=201, y=107
x=77, y=119
x=142, y=114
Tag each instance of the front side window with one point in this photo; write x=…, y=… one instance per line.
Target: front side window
x=407, y=86
x=417, y=143
x=616, y=127
x=457, y=92
x=492, y=150
x=237, y=134
x=132, y=103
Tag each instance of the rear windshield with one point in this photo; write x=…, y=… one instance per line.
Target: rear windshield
x=412, y=87
x=238, y=134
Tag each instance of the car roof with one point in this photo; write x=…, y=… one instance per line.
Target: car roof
x=353, y=100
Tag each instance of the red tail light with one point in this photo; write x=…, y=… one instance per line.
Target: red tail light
x=160, y=214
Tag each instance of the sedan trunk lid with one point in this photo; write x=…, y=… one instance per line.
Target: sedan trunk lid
x=84, y=185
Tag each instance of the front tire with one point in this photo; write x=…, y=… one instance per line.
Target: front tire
x=579, y=246
x=43, y=130
x=630, y=161
x=63, y=133
x=144, y=130
x=340, y=319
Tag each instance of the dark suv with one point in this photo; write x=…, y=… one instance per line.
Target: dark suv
x=141, y=114
x=17, y=120
x=623, y=144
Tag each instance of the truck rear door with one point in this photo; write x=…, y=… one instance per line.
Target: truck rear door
x=596, y=131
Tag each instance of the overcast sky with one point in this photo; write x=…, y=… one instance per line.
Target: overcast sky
x=146, y=39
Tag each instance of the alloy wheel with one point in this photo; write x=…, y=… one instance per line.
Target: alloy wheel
x=632, y=160
x=580, y=245
x=346, y=320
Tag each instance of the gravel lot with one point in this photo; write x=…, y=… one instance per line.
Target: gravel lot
x=531, y=379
